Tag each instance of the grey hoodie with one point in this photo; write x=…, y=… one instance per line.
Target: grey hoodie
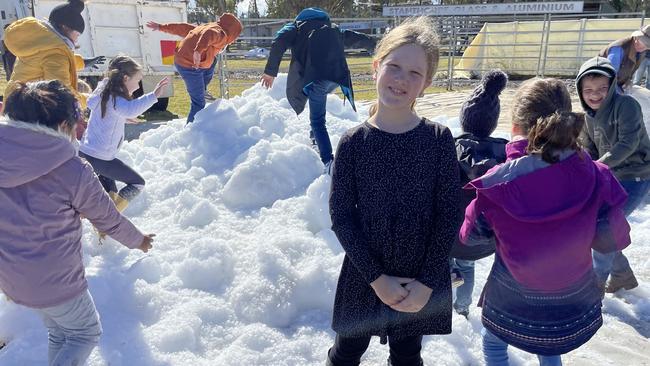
x=615, y=133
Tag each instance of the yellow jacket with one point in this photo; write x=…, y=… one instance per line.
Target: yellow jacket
x=41, y=54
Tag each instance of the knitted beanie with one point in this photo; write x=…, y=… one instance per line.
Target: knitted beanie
x=480, y=113
x=69, y=15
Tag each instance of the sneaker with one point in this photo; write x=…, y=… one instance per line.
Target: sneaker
x=390, y=363
x=209, y=97
x=327, y=167
x=627, y=281
x=463, y=312
x=456, y=278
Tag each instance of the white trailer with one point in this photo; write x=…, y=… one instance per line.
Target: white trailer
x=118, y=27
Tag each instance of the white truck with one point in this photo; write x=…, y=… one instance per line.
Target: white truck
x=115, y=27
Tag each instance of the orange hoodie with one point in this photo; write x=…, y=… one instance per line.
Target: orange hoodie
x=208, y=39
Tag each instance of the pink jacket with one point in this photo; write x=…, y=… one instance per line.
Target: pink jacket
x=44, y=188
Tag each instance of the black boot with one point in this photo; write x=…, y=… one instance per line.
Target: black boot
x=389, y=363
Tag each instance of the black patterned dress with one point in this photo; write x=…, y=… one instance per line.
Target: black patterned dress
x=394, y=205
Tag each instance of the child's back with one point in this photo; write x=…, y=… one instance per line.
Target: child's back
x=476, y=151
x=543, y=205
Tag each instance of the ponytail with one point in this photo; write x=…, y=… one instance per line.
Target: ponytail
x=553, y=133
x=118, y=68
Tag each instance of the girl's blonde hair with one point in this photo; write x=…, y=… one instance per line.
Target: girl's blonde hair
x=420, y=31
x=119, y=67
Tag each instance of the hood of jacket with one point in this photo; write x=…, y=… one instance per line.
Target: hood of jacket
x=531, y=190
x=94, y=100
x=29, y=151
x=29, y=36
x=312, y=14
x=601, y=66
x=231, y=25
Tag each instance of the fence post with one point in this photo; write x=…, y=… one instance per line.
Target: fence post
x=541, y=46
x=581, y=40
x=548, y=36
x=642, y=18
x=223, y=76
x=450, y=54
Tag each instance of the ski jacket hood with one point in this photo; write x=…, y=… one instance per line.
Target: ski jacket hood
x=30, y=152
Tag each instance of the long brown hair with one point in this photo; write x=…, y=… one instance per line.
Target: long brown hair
x=554, y=133
x=118, y=68
x=537, y=98
x=419, y=31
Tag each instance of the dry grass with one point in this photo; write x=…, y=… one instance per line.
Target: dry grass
x=245, y=73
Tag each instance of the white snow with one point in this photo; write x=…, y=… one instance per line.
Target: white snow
x=244, y=266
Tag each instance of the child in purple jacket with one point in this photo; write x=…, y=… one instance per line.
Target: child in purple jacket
x=543, y=205
x=44, y=188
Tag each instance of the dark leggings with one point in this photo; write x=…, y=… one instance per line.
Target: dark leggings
x=348, y=351
x=110, y=171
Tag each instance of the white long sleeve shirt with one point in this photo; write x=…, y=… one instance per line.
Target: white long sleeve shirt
x=104, y=135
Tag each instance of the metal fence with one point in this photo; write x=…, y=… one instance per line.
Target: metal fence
x=456, y=35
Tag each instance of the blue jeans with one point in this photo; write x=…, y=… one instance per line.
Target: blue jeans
x=495, y=352
x=644, y=69
x=317, y=94
x=464, y=292
x=73, y=330
x=615, y=262
x=196, y=81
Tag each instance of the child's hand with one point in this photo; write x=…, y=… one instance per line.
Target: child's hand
x=133, y=121
x=196, y=59
x=146, y=243
x=153, y=25
x=418, y=296
x=267, y=80
x=162, y=84
x=389, y=289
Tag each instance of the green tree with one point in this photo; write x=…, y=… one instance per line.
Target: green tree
x=214, y=8
x=630, y=5
x=290, y=8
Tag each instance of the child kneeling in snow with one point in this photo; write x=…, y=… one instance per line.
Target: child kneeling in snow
x=111, y=105
x=542, y=295
x=44, y=188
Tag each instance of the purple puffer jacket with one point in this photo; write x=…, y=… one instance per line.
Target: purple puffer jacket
x=44, y=187
x=544, y=216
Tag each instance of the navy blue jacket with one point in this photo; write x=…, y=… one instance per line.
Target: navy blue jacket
x=294, y=35
x=476, y=156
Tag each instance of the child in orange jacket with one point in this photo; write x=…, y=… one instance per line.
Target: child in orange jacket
x=195, y=56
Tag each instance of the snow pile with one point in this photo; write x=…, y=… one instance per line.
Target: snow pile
x=244, y=266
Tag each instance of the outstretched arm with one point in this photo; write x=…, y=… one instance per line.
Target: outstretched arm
x=178, y=29
x=283, y=40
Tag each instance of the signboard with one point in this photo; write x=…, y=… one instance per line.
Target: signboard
x=364, y=25
x=485, y=9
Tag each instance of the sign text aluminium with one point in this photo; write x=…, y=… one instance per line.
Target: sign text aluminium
x=485, y=9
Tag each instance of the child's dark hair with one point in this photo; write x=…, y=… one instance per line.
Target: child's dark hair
x=119, y=67
x=48, y=103
x=555, y=133
x=537, y=98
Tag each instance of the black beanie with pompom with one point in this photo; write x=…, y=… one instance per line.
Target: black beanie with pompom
x=479, y=114
x=69, y=14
